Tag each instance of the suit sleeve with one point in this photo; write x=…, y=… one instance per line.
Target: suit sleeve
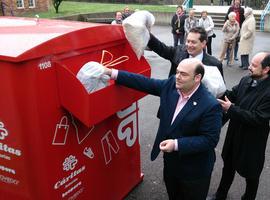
x=220, y=68
x=256, y=117
x=140, y=82
x=160, y=48
x=208, y=133
x=232, y=97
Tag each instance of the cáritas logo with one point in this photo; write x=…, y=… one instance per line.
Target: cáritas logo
x=7, y=149
x=3, y=131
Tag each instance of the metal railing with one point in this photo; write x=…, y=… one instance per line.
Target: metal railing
x=264, y=13
x=5, y=7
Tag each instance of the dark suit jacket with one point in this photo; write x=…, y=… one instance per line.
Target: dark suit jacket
x=248, y=130
x=176, y=54
x=197, y=126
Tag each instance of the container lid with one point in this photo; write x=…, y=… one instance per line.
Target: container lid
x=27, y=38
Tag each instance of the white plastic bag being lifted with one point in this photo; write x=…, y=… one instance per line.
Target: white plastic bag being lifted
x=91, y=75
x=213, y=81
x=136, y=28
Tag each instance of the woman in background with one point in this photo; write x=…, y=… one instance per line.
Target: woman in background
x=207, y=23
x=247, y=36
x=231, y=31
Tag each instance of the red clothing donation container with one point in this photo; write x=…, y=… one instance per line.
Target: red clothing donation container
x=56, y=140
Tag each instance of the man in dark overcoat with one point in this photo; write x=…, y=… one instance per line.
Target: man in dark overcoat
x=247, y=106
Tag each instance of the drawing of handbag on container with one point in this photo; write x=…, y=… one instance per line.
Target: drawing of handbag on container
x=61, y=132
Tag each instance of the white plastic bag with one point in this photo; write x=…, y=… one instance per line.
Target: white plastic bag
x=213, y=81
x=136, y=28
x=92, y=77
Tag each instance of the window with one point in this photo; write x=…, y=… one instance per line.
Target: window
x=32, y=3
x=20, y=4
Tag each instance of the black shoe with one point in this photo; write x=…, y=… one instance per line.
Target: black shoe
x=240, y=66
x=214, y=197
x=211, y=197
x=244, y=68
x=236, y=59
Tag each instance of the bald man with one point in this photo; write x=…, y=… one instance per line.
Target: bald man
x=247, y=106
x=190, y=123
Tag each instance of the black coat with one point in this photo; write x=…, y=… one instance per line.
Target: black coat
x=178, y=23
x=176, y=54
x=248, y=130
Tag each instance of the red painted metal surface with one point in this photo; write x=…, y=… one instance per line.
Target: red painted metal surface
x=56, y=140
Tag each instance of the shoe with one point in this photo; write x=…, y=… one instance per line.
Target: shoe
x=229, y=64
x=214, y=197
x=236, y=59
x=240, y=66
x=244, y=68
x=211, y=197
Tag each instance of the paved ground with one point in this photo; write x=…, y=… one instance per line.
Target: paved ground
x=152, y=187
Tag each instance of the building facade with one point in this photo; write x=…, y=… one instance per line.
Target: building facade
x=19, y=7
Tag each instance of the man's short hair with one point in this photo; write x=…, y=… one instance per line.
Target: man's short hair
x=199, y=69
x=266, y=62
x=201, y=31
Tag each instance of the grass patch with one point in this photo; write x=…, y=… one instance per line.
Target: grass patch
x=70, y=8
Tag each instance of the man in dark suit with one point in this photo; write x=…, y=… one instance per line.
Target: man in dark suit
x=247, y=106
x=195, y=45
x=190, y=123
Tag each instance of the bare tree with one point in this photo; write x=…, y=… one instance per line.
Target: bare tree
x=56, y=4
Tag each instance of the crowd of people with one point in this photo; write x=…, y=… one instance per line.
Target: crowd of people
x=120, y=16
x=234, y=34
x=191, y=118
